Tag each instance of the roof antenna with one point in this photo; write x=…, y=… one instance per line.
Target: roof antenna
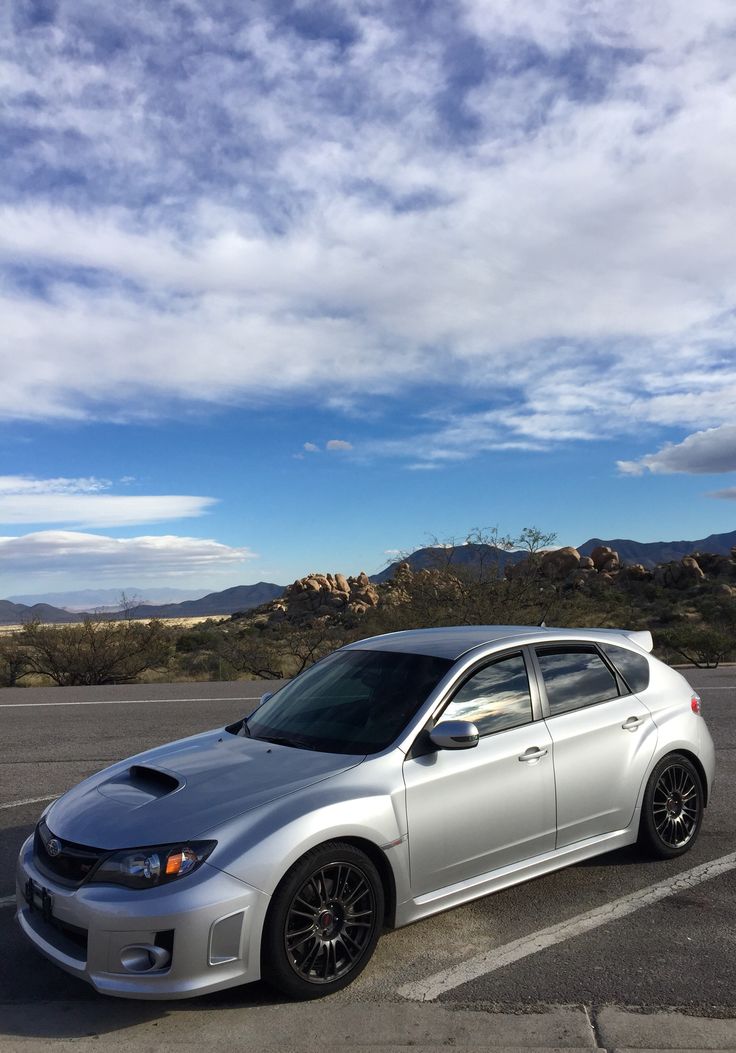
x=543, y=624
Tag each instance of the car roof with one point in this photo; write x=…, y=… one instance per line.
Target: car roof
x=452, y=641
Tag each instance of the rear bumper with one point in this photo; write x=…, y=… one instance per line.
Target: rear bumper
x=211, y=924
x=707, y=757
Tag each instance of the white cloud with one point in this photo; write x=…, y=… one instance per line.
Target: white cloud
x=78, y=502
x=338, y=444
x=725, y=495
x=311, y=447
x=29, y=484
x=103, y=510
x=94, y=556
x=554, y=240
x=705, y=452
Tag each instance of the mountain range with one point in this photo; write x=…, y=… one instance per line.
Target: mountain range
x=245, y=597
x=650, y=553
x=238, y=598
x=106, y=599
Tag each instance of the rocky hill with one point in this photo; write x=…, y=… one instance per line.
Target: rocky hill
x=647, y=553
x=327, y=598
x=321, y=596
x=568, y=567
x=650, y=553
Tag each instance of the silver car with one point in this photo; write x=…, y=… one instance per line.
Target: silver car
x=400, y=776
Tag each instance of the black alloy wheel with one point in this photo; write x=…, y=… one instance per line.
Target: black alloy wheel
x=324, y=922
x=672, y=810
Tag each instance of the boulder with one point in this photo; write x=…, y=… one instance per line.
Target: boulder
x=586, y=563
x=713, y=565
x=679, y=574
x=637, y=572
x=560, y=562
x=601, y=554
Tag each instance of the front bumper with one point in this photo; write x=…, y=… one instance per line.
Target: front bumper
x=211, y=922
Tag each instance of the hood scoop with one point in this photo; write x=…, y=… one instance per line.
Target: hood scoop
x=139, y=785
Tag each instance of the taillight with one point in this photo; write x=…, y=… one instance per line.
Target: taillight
x=695, y=704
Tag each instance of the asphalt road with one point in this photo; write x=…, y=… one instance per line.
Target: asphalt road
x=677, y=953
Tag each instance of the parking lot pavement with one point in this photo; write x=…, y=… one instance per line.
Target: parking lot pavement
x=619, y=984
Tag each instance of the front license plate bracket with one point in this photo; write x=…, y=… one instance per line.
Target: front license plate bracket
x=39, y=898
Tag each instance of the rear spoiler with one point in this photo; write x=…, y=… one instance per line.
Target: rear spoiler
x=643, y=639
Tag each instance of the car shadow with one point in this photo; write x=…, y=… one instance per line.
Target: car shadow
x=627, y=856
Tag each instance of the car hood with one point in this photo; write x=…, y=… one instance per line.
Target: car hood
x=187, y=788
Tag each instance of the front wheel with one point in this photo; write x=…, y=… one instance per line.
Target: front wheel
x=672, y=810
x=323, y=923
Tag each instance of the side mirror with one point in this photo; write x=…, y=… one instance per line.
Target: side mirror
x=454, y=735
x=265, y=698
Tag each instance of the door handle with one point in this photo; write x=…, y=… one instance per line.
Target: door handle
x=632, y=723
x=534, y=753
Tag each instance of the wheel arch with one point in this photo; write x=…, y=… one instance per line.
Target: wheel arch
x=378, y=857
x=697, y=764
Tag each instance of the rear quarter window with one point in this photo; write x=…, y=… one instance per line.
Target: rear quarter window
x=633, y=667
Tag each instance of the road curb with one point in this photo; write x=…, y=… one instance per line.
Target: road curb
x=624, y=1029
x=358, y=1027
x=292, y=1026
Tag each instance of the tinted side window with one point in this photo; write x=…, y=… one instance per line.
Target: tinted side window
x=575, y=677
x=494, y=698
x=633, y=667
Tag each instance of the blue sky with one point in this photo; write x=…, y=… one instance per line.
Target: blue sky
x=290, y=286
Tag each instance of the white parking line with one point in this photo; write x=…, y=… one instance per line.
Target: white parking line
x=29, y=800
x=489, y=961
x=7, y=901
x=129, y=701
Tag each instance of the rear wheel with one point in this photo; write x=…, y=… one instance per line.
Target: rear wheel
x=672, y=810
x=323, y=923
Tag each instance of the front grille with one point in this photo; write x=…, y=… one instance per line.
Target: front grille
x=73, y=864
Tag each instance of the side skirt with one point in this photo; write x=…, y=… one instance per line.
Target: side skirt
x=473, y=888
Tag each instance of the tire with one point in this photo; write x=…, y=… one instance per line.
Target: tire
x=323, y=922
x=672, y=809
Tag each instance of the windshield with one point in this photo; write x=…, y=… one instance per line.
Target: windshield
x=351, y=702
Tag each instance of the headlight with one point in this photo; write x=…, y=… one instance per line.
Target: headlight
x=155, y=865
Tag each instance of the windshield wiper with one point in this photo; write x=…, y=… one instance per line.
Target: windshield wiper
x=300, y=744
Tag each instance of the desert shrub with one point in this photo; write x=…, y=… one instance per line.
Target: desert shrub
x=702, y=645
x=95, y=651
x=13, y=660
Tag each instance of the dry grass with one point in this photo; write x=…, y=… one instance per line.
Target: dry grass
x=174, y=623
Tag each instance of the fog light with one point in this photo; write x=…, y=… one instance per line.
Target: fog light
x=144, y=958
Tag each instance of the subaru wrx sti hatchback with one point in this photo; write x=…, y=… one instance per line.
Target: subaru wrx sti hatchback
x=399, y=776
